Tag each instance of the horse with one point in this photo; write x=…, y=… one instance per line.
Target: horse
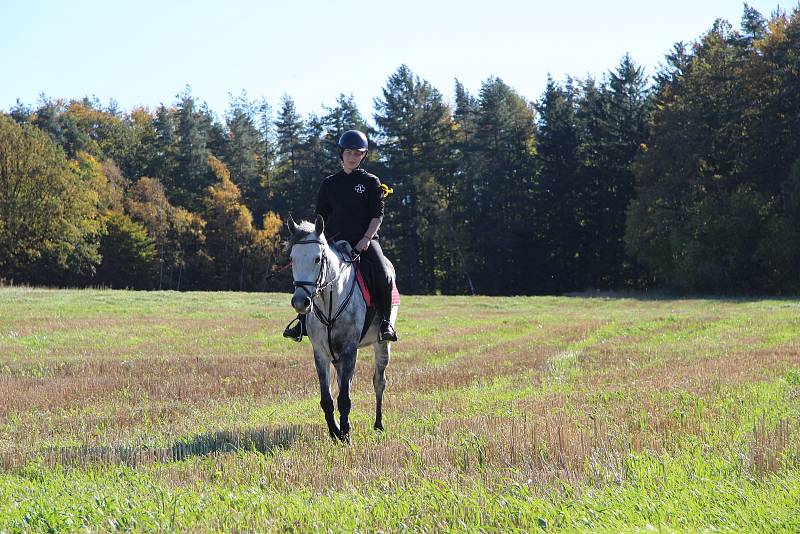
x=324, y=281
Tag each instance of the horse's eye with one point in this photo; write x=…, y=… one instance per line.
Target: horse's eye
x=317, y=260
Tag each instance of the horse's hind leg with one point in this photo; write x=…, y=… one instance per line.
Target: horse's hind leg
x=326, y=401
x=379, y=381
x=345, y=370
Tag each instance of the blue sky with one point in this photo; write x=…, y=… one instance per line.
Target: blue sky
x=145, y=52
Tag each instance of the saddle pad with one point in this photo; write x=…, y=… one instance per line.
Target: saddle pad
x=395, y=294
x=368, y=296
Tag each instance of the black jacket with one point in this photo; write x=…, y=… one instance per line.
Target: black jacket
x=348, y=202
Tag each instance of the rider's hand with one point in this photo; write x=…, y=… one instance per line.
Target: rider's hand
x=362, y=245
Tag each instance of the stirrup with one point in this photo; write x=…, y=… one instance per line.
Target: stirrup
x=387, y=332
x=295, y=333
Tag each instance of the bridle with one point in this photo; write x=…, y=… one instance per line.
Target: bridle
x=320, y=285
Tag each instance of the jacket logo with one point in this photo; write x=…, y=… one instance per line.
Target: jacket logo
x=360, y=188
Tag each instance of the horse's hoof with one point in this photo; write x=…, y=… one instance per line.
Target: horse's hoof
x=378, y=427
x=345, y=439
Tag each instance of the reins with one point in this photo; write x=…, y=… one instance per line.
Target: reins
x=278, y=271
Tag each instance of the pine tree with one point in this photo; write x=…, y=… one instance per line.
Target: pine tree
x=316, y=163
x=51, y=118
x=754, y=26
x=415, y=130
x=192, y=173
x=165, y=166
x=463, y=214
x=497, y=183
x=242, y=152
x=289, y=194
x=266, y=155
x=706, y=204
x=560, y=191
x=612, y=121
x=140, y=153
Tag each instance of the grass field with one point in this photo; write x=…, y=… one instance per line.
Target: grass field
x=188, y=411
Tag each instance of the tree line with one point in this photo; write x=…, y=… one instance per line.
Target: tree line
x=688, y=180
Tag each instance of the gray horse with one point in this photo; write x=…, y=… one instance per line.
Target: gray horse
x=325, y=290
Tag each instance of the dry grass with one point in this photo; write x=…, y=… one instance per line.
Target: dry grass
x=769, y=446
x=531, y=390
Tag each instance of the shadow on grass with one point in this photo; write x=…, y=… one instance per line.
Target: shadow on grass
x=264, y=441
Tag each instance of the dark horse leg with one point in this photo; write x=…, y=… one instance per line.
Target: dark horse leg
x=326, y=401
x=345, y=369
x=379, y=380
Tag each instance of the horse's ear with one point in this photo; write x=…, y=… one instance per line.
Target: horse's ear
x=291, y=225
x=319, y=225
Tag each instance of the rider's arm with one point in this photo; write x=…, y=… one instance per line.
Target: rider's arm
x=372, y=229
x=375, y=211
x=375, y=201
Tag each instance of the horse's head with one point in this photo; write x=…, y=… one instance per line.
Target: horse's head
x=309, y=261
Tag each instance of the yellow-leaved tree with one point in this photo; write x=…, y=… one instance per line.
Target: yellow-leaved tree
x=229, y=232
x=242, y=253
x=49, y=217
x=178, y=233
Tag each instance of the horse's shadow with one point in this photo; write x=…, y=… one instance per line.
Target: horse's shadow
x=263, y=440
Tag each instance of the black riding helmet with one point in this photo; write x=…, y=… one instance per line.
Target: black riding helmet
x=353, y=140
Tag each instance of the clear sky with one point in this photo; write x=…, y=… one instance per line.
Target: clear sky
x=144, y=52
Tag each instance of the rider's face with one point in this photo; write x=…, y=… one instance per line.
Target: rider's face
x=351, y=159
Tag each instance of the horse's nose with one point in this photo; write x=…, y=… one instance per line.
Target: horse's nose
x=301, y=303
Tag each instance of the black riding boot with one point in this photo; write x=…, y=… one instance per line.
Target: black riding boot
x=296, y=329
x=387, y=331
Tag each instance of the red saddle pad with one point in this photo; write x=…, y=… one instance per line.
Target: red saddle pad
x=368, y=296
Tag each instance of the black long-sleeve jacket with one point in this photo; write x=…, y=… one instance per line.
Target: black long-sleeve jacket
x=348, y=202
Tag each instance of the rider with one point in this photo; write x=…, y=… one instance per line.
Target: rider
x=351, y=203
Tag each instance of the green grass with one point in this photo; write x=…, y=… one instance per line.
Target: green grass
x=162, y=411
x=685, y=493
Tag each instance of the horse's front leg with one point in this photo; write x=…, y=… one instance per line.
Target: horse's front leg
x=379, y=380
x=323, y=365
x=345, y=368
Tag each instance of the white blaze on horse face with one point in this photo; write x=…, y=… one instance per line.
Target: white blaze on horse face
x=303, y=264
